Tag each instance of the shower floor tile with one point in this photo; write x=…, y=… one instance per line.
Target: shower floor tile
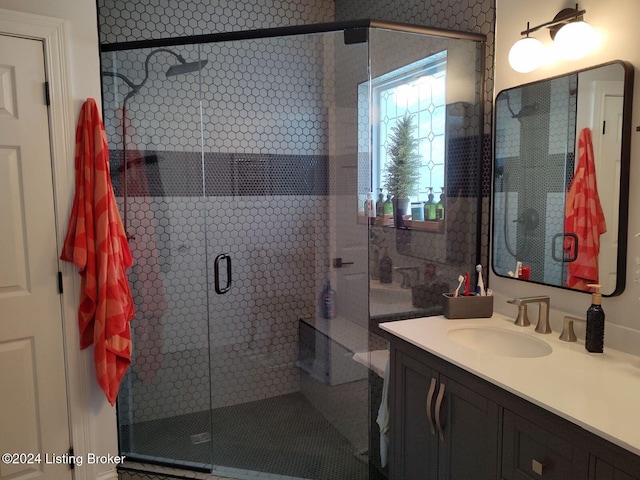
x=283, y=436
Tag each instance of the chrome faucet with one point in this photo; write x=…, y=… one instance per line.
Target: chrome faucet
x=543, y=312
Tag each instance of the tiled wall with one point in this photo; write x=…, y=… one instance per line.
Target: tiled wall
x=130, y=20
x=256, y=96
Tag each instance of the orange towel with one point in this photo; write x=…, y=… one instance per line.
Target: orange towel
x=584, y=217
x=96, y=242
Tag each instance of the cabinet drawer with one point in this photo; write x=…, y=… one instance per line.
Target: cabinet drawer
x=604, y=471
x=532, y=453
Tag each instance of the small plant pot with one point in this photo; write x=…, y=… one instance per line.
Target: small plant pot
x=400, y=208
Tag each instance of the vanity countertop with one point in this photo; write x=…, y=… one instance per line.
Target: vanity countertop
x=601, y=393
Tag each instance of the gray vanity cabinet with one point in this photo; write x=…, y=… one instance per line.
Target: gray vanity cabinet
x=448, y=424
x=440, y=428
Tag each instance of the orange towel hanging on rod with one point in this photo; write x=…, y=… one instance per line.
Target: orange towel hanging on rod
x=97, y=244
x=584, y=217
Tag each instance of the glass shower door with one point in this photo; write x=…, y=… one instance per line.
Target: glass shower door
x=281, y=180
x=153, y=124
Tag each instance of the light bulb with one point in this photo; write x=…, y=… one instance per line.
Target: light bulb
x=526, y=55
x=574, y=40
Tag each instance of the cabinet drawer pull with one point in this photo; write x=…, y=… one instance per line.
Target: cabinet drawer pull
x=536, y=466
x=438, y=408
x=432, y=389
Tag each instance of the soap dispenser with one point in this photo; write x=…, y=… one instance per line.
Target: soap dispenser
x=369, y=206
x=388, y=205
x=594, y=341
x=430, y=207
x=380, y=205
x=440, y=206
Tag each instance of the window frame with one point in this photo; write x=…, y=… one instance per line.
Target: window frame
x=404, y=75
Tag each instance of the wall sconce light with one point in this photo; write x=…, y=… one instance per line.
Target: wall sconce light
x=572, y=38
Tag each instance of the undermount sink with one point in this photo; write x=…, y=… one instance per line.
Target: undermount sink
x=499, y=341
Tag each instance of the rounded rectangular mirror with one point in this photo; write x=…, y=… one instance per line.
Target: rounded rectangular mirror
x=561, y=179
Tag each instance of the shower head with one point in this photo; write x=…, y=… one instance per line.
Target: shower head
x=527, y=111
x=185, y=67
x=182, y=68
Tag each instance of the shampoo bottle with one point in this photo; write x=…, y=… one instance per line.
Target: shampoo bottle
x=440, y=206
x=369, y=207
x=430, y=207
x=594, y=341
x=388, y=206
x=386, y=267
x=380, y=205
x=328, y=301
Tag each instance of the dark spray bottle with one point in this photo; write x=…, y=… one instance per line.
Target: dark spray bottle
x=594, y=341
x=386, y=267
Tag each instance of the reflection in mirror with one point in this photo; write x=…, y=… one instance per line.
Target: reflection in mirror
x=560, y=185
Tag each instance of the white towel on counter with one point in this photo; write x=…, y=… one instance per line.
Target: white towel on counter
x=383, y=417
x=376, y=360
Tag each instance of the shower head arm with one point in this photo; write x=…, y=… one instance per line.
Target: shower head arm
x=131, y=85
x=135, y=88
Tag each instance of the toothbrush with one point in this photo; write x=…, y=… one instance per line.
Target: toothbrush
x=480, y=288
x=460, y=280
x=466, y=284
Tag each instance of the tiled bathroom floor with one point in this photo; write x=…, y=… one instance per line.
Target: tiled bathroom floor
x=283, y=437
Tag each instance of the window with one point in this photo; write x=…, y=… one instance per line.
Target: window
x=417, y=89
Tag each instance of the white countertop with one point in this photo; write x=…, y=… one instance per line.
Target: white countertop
x=601, y=393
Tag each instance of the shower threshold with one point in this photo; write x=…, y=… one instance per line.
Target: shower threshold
x=152, y=471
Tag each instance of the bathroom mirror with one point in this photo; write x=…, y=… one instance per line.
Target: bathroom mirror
x=554, y=141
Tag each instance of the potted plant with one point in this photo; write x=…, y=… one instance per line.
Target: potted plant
x=402, y=170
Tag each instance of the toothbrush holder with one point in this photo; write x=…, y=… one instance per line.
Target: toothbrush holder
x=472, y=306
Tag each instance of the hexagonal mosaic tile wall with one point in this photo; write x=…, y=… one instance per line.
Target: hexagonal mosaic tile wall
x=130, y=20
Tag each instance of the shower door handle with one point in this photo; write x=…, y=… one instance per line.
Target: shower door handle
x=564, y=257
x=216, y=273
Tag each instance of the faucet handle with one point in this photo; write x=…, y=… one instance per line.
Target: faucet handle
x=522, y=320
x=568, y=335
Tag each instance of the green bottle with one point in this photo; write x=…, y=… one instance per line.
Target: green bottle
x=380, y=205
x=388, y=206
x=440, y=206
x=430, y=207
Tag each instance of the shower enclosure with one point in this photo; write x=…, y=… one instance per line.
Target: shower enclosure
x=241, y=162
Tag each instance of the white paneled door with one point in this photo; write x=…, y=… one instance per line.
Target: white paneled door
x=34, y=422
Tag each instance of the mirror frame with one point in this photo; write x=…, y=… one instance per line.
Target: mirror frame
x=625, y=163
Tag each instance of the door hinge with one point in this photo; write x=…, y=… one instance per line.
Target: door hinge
x=60, y=290
x=47, y=94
